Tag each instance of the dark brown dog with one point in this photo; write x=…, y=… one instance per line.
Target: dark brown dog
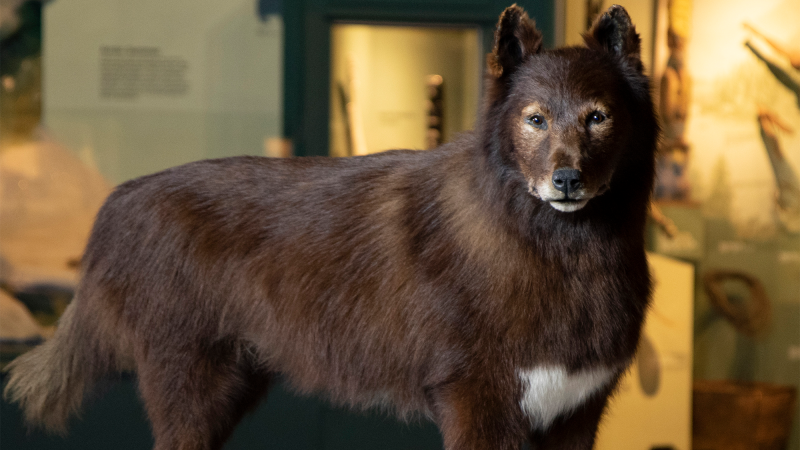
x=496, y=285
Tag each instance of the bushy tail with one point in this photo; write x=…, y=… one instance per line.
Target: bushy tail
x=49, y=382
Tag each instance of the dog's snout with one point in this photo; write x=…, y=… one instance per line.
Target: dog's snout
x=567, y=180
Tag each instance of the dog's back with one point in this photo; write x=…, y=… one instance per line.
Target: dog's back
x=497, y=284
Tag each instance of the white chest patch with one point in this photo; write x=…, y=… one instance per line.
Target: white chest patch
x=551, y=391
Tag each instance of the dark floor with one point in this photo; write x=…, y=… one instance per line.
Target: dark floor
x=116, y=420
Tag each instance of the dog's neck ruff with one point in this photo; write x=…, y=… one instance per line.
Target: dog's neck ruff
x=548, y=392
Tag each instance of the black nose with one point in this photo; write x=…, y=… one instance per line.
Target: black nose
x=567, y=180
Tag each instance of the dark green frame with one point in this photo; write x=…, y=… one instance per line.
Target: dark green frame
x=307, y=26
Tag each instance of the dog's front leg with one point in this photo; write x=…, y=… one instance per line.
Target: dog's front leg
x=479, y=415
x=573, y=431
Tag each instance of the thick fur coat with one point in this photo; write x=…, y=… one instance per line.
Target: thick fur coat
x=496, y=284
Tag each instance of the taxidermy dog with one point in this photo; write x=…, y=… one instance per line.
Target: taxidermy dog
x=496, y=285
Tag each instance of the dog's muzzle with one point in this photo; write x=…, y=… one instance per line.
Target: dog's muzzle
x=568, y=182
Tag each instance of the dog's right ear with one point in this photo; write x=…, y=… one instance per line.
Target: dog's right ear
x=515, y=40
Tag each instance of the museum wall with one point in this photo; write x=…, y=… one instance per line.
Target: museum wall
x=133, y=88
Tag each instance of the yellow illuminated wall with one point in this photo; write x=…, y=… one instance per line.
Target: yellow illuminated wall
x=384, y=70
x=637, y=420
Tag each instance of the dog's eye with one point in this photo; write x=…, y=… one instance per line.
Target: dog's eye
x=596, y=117
x=538, y=121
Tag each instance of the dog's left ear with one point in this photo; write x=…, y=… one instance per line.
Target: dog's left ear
x=515, y=40
x=614, y=33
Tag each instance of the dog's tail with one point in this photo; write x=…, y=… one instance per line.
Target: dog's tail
x=49, y=382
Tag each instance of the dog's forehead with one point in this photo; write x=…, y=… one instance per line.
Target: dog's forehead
x=572, y=76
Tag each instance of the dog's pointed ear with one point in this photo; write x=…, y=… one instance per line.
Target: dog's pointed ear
x=614, y=33
x=515, y=40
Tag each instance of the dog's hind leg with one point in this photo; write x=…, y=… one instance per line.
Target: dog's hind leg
x=195, y=395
